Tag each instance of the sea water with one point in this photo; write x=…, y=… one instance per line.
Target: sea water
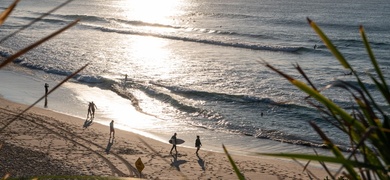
x=195, y=67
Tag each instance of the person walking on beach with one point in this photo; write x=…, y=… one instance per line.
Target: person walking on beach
x=197, y=144
x=46, y=89
x=112, y=130
x=91, y=109
x=93, y=106
x=173, y=141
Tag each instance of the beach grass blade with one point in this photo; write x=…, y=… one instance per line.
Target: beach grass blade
x=300, y=70
x=371, y=55
x=383, y=85
x=334, y=149
x=236, y=170
x=330, y=45
x=32, y=46
x=4, y=15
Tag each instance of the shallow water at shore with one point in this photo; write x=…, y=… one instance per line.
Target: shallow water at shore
x=72, y=99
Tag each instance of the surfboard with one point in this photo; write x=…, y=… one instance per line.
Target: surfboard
x=178, y=141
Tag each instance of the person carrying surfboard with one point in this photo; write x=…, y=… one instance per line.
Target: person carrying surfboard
x=173, y=139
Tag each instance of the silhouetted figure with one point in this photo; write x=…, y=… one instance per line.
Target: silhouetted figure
x=93, y=106
x=46, y=91
x=46, y=88
x=350, y=73
x=173, y=141
x=197, y=144
x=91, y=109
x=112, y=130
x=125, y=82
x=261, y=114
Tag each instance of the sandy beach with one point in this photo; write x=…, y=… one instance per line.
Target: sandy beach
x=45, y=143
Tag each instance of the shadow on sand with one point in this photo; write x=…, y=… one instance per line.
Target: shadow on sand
x=176, y=163
x=110, y=143
x=88, y=122
x=201, y=162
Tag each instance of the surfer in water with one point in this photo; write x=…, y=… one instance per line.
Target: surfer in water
x=350, y=73
x=173, y=139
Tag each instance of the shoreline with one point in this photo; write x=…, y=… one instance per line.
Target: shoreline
x=62, y=138
x=72, y=99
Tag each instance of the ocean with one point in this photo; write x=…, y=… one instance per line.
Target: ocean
x=194, y=66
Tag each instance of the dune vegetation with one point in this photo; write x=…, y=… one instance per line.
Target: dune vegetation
x=366, y=125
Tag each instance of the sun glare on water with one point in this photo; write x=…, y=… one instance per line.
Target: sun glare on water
x=153, y=54
x=152, y=11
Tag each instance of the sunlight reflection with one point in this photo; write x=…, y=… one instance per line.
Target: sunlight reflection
x=156, y=11
x=154, y=56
